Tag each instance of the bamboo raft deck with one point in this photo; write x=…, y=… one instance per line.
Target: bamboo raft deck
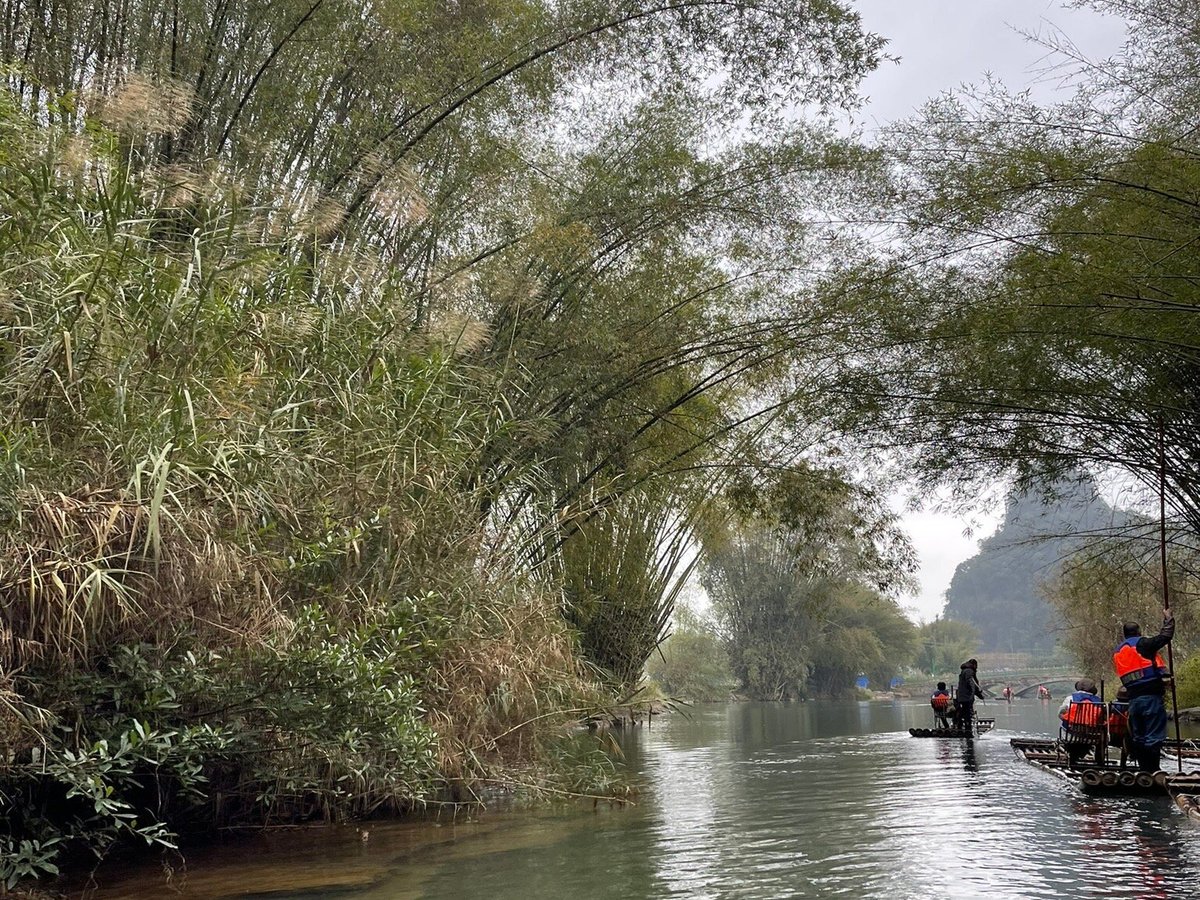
x=1109, y=779
x=982, y=726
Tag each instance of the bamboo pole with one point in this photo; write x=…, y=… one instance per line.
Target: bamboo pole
x=1162, y=548
x=1104, y=735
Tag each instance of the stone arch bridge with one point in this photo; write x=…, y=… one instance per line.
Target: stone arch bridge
x=1026, y=685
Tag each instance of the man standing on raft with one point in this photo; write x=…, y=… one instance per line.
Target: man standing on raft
x=964, y=697
x=1142, y=671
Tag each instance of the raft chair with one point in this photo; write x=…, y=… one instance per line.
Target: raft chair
x=1118, y=732
x=1082, y=731
x=941, y=711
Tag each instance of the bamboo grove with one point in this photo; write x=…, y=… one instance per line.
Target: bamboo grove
x=1023, y=303
x=371, y=374
x=1031, y=307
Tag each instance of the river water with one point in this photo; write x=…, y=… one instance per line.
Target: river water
x=756, y=801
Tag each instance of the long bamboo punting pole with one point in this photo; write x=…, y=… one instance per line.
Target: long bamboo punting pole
x=1162, y=555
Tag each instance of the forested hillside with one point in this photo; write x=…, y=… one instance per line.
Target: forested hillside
x=1002, y=590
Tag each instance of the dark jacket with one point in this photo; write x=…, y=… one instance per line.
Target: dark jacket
x=968, y=686
x=1147, y=647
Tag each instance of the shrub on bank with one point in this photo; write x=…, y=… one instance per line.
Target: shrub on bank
x=1187, y=682
x=692, y=663
x=169, y=739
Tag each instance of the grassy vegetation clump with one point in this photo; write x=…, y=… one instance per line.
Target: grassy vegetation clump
x=1187, y=682
x=244, y=576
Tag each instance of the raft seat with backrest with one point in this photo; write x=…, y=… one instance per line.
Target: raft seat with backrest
x=1118, y=729
x=941, y=708
x=1083, y=728
x=1118, y=726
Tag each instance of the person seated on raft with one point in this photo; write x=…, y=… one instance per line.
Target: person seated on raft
x=940, y=701
x=1083, y=716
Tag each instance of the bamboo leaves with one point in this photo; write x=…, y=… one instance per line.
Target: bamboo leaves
x=1034, y=311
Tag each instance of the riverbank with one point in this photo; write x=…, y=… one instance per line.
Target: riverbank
x=583, y=769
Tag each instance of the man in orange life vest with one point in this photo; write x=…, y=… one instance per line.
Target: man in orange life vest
x=1142, y=671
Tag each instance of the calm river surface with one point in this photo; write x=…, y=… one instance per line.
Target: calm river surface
x=756, y=801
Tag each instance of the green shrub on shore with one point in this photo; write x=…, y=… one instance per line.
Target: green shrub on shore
x=165, y=739
x=1187, y=682
x=692, y=663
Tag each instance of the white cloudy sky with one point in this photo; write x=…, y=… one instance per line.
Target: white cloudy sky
x=943, y=44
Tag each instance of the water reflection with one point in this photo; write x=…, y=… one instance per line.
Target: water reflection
x=686, y=824
x=809, y=800
x=970, y=763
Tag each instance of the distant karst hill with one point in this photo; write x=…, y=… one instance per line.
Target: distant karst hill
x=999, y=589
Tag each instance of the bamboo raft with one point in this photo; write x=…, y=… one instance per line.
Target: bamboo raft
x=1109, y=779
x=982, y=726
x=1185, y=791
x=1092, y=777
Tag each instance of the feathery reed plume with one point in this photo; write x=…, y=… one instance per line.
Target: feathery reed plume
x=463, y=334
x=178, y=185
x=325, y=217
x=398, y=197
x=145, y=104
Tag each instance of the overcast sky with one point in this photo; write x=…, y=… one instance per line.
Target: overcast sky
x=943, y=44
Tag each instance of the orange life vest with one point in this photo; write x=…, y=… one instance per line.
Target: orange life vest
x=1118, y=724
x=1084, y=710
x=940, y=702
x=1133, y=668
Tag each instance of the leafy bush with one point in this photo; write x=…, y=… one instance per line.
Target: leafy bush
x=692, y=663
x=26, y=859
x=1187, y=682
x=325, y=724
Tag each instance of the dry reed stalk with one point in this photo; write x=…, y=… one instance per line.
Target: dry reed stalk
x=90, y=569
x=178, y=185
x=499, y=694
x=146, y=104
x=22, y=725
